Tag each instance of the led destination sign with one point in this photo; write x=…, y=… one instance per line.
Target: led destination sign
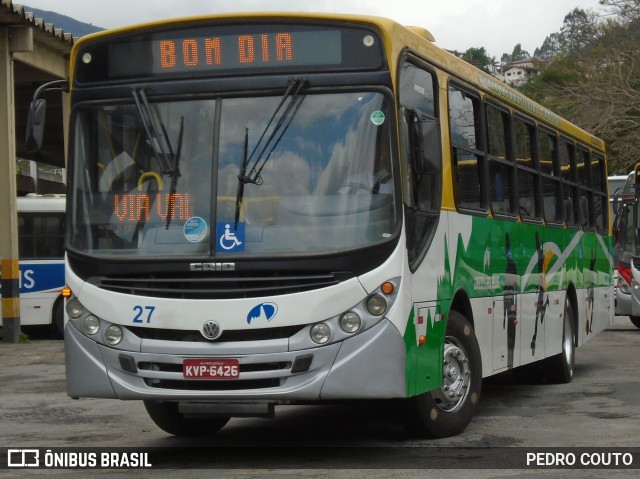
x=247, y=51
x=210, y=50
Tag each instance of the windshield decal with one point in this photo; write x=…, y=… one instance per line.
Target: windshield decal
x=195, y=229
x=377, y=118
x=230, y=237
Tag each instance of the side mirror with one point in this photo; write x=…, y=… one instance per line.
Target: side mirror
x=35, y=119
x=35, y=124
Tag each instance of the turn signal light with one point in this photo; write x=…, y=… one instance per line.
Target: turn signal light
x=387, y=287
x=66, y=292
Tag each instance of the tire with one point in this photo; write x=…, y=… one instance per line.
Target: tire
x=167, y=417
x=57, y=318
x=447, y=411
x=560, y=368
x=635, y=320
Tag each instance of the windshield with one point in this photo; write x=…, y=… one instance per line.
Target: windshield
x=233, y=176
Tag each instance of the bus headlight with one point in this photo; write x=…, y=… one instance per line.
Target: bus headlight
x=90, y=324
x=350, y=322
x=320, y=333
x=113, y=335
x=74, y=308
x=376, y=305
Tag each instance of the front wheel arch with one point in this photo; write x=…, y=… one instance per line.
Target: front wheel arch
x=447, y=411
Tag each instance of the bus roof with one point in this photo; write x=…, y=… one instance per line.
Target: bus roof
x=41, y=203
x=418, y=39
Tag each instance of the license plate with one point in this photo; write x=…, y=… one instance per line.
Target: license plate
x=211, y=368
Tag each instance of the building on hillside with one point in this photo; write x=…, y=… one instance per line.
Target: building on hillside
x=519, y=72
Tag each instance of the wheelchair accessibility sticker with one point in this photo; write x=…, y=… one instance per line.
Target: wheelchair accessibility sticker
x=230, y=237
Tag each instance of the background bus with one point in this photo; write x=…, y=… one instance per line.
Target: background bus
x=627, y=249
x=41, y=229
x=616, y=184
x=274, y=209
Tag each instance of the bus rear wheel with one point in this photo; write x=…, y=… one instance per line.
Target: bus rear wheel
x=560, y=368
x=447, y=411
x=168, y=418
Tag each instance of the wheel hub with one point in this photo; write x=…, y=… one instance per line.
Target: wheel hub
x=456, y=377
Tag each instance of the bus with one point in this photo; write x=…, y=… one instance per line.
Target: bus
x=616, y=185
x=41, y=230
x=274, y=209
x=627, y=249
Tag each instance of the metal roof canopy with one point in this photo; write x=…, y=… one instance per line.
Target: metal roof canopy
x=32, y=52
x=39, y=56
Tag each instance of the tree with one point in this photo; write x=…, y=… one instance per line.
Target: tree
x=478, y=57
x=579, y=31
x=551, y=47
x=595, y=79
x=519, y=54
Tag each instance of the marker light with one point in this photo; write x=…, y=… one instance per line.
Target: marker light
x=91, y=324
x=320, y=333
x=66, y=292
x=113, y=335
x=350, y=322
x=74, y=308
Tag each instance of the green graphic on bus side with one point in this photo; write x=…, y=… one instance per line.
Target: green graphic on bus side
x=503, y=259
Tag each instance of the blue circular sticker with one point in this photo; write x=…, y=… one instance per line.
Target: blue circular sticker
x=195, y=229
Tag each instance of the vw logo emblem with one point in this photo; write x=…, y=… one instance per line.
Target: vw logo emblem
x=211, y=330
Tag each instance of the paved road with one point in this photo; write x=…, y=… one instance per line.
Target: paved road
x=600, y=408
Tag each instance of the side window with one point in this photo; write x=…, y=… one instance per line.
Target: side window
x=566, y=153
x=600, y=198
x=422, y=156
x=550, y=175
x=501, y=172
x=422, y=138
x=468, y=149
x=527, y=168
x=41, y=235
x=585, y=193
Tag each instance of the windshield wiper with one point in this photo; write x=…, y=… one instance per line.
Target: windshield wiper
x=175, y=173
x=277, y=132
x=156, y=131
x=264, y=148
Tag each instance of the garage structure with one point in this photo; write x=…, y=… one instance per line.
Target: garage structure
x=32, y=52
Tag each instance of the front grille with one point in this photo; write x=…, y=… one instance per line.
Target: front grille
x=224, y=385
x=221, y=285
x=262, y=334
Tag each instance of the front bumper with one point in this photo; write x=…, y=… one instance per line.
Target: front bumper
x=366, y=366
x=623, y=303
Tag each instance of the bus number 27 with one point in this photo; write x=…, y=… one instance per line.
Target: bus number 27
x=143, y=314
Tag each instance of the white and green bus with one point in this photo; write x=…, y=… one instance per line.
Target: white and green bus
x=278, y=209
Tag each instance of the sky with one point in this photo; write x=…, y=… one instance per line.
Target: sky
x=496, y=25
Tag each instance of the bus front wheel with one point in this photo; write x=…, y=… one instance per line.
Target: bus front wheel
x=57, y=317
x=448, y=410
x=168, y=418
